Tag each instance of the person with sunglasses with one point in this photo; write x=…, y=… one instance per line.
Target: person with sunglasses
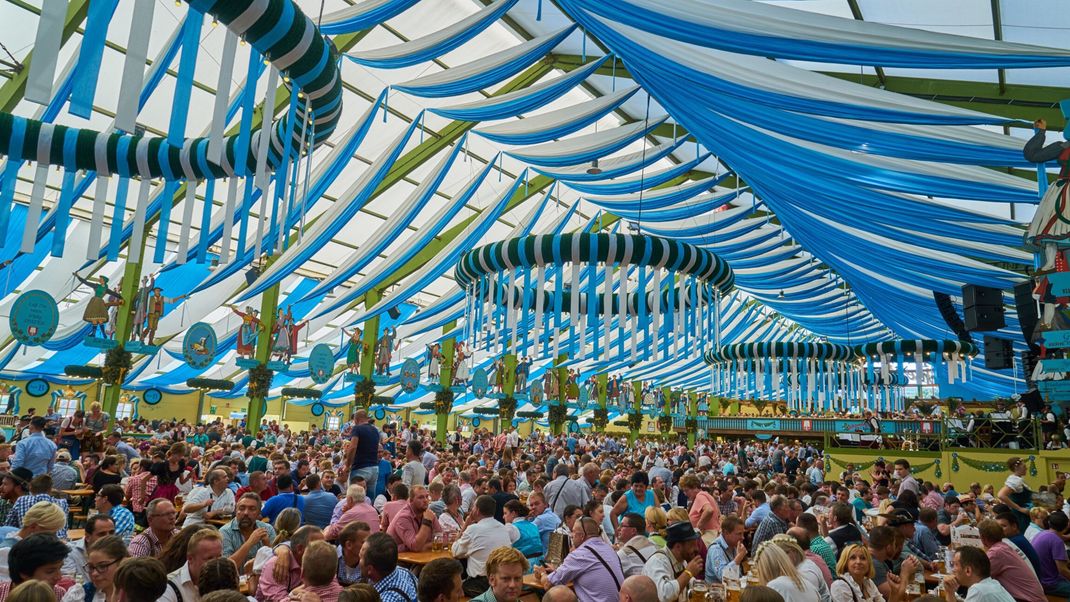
x=105, y=554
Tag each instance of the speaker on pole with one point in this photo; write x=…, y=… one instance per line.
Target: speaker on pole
x=951, y=317
x=999, y=353
x=394, y=313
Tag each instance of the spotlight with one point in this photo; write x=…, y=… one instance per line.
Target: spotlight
x=594, y=170
x=781, y=295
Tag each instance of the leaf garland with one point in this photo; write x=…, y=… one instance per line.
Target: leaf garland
x=301, y=393
x=691, y=424
x=600, y=418
x=117, y=362
x=364, y=393
x=210, y=384
x=558, y=415
x=507, y=408
x=665, y=424
x=443, y=401
x=635, y=421
x=981, y=465
x=260, y=377
x=84, y=371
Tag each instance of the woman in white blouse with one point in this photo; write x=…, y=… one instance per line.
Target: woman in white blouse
x=776, y=571
x=855, y=583
x=451, y=518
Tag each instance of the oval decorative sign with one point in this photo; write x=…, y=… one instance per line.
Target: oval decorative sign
x=321, y=364
x=380, y=414
x=584, y=398
x=34, y=318
x=536, y=392
x=152, y=396
x=480, y=383
x=410, y=375
x=317, y=409
x=199, y=345
x=37, y=387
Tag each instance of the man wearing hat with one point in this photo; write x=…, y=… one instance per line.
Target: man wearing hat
x=13, y=485
x=673, y=567
x=901, y=520
x=35, y=452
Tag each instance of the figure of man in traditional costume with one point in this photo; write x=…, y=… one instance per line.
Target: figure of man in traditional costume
x=385, y=351
x=96, y=310
x=248, y=331
x=157, y=303
x=499, y=375
x=523, y=369
x=434, y=365
x=141, y=306
x=295, y=331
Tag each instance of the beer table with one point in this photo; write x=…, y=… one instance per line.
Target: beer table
x=532, y=582
x=422, y=558
x=78, y=492
x=219, y=522
x=75, y=534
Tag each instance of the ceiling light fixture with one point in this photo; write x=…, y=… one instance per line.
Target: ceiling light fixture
x=594, y=170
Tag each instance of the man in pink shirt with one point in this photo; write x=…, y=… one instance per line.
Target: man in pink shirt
x=415, y=525
x=271, y=590
x=399, y=500
x=356, y=508
x=1008, y=568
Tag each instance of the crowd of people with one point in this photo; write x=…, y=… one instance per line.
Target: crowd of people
x=214, y=513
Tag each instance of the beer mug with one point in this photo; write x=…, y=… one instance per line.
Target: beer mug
x=717, y=593
x=436, y=542
x=699, y=591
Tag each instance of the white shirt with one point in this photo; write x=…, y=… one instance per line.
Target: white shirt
x=662, y=569
x=4, y=553
x=77, y=594
x=224, y=503
x=76, y=559
x=988, y=590
x=812, y=575
x=792, y=593
x=479, y=540
x=512, y=439
x=186, y=587
x=634, y=554
x=468, y=495
x=413, y=473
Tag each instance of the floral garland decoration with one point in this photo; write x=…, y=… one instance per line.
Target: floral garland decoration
x=116, y=364
x=259, y=381
x=665, y=424
x=600, y=418
x=691, y=424
x=507, y=408
x=443, y=401
x=635, y=421
x=725, y=404
x=364, y=393
x=978, y=464
x=558, y=415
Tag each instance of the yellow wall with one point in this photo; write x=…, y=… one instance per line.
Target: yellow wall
x=1048, y=464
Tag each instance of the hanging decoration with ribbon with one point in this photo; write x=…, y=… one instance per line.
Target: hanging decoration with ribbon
x=886, y=362
x=809, y=376
x=589, y=278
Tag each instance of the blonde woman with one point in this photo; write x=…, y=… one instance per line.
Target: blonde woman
x=656, y=521
x=42, y=517
x=32, y=591
x=855, y=581
x=1037, y=515
x=775, y=570
x=288, y=521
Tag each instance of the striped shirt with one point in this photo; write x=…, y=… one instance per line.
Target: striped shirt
x=586, y=568
x=24, y=503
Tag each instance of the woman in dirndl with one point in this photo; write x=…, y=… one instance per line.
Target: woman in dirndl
x=1016, y=494
x=96, y=311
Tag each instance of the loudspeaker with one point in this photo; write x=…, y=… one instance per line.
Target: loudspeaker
x=951, y=317
x=251, y=275
x=973, y=295
x=999, y=353
x=984, y=318
x=394, y=313
x=1026, y=307
x=1029, y=364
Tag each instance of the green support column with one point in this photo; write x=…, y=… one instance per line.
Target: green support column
x=692, y=413
x=269, y=306
x=562, y=393
x=371, y=336
x=509, y=363
x=125, y=318
x=445, y=381
x=603, y=394
x=637, y=407
x=666, y=408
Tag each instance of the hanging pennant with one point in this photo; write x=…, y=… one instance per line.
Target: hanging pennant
x=87, y=73
x=46, y=51
x=137, y=53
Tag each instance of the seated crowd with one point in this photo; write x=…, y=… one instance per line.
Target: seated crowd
x=218, y=515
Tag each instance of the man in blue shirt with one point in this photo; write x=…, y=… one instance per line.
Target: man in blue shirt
x=760, y=511
x=728, y=549
x=362, y=453
x=285, y=498
x=36, y=452
x=124, y=448
x=546, y=520
x=319, y=505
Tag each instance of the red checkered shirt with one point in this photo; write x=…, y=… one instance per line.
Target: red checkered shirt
x=133, y=490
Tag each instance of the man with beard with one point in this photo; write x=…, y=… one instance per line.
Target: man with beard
x=246, y=533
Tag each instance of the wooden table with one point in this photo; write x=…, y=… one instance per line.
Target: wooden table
x=75, y=534
x=532, y=582
x=78, y=492
x=219, y=522
x=422, y=558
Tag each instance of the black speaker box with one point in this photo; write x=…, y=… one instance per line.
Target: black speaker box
x=984, y=318
x=999, y=353
x=1026, y=308
x=973, y=294
x=1029, y=363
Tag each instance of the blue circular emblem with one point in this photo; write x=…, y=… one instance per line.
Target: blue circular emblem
x=410, y=375
x=34, y=318
x=480, y=383
x=199, y=345
x=573, y=427
x=380, y=414
x=475, y=422
x=152, y=396
x=321, y=363
x=317, y=409
x=37, y=387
